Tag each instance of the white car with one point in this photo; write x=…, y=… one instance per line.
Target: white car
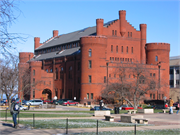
x=22, y=107
x=34, y=102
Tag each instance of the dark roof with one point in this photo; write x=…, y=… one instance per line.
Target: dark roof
x=68, y=38
x=72, y=37
x=66, y=52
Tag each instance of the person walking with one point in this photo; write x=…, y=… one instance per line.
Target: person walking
x=171, y=102
x=14, y=110
x=177, y=107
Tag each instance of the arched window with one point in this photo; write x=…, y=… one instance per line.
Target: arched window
x=112, y=32
x=122, y=49
x=127, y=49
x=116, y=49
x=156, y=58
x=90, y=52
x=111, y=48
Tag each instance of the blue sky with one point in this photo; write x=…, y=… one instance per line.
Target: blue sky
x=40, y=17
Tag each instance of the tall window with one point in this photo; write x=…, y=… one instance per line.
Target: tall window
x=79, y=66
x=61, y=73
x=116, y=49
x=33, y=93
x=56, y=73
x=87, y=95
x=90, y=64
x=91, y=95
x=122, y=49
x=112, y=32
x=153, y=96
x=111, y=48
x=34, y=72
x=104, y=79
x=70, y=72
x=150, y=96
x=90, y=79
x=115, y=32
x=33, y=81
x=90, y=52
x=131, y=49
x=156, y=58
x=127, y=49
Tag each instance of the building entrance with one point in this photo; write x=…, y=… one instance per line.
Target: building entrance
x=47, y=94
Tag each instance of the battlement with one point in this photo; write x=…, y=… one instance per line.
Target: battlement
x=100, y=19
x=35, y=63
x=158, y=46
x=25, y=56
x=122, y=11
x=94, y=40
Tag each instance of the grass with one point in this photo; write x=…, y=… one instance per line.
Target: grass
x=139, y=132
x=30, y=115
x=72, y=123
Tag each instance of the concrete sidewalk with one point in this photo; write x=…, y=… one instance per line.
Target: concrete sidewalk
x=160, y=121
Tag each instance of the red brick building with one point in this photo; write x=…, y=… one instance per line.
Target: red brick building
x=75, y=64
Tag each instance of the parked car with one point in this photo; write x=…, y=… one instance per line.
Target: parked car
x=34, y=102
x=55, y=102
x=47, y=101
x=2, y=103
x=23, y=107
x=61, y=101
x=70, y=102
x=24, y=102
x=126, y=107
x=96, y=108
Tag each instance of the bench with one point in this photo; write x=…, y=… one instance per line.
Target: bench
x=109, y=117
x=164, y=110
x=132, y=111
x=141, y=120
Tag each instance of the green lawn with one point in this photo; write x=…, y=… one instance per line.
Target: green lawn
x=30, y=115
x=72, y=123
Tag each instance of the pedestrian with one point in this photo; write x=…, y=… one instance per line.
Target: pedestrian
x=171, y=102
x=14, y=111
x=177, y=107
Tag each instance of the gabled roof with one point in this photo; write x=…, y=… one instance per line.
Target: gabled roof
x=67, y=52
x=72, y=37
x=68, y=38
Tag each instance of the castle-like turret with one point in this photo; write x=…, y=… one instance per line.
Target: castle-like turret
x=143, y=28
x=99, y=27
x=122, y=18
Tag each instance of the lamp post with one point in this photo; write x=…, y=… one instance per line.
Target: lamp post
x=159, y=66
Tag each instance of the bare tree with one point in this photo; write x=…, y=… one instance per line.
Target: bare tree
x=132, y=83
x=9, y=79
x=9, y=12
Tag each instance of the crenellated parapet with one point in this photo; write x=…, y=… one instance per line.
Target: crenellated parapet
x=25, y=56
x=158, y=46
x=35, y=63
x=157, y=53
x=101, y=40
